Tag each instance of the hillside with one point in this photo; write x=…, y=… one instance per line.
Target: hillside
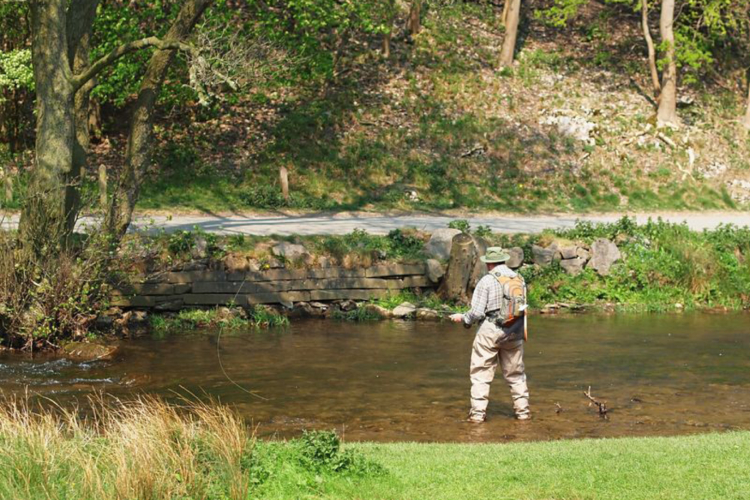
x=437, y=126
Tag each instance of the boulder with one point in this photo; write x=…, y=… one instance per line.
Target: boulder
x=347, y=305
x=435, y=270
x=583, y=253
x=424, y=314
x=404, y=310
x=377, y=310
x=463, y=263
x=200, y=248
x=543, y=256
x=440, y=243
x=573, y=266
x=568, y=252
x=480, y=268
x=236, y=263
x=604, y=253
x=289, y=251
x=85, y=351
x=516, y=257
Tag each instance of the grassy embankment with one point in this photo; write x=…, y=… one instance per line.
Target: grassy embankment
x=439, y=120
x=147, y=449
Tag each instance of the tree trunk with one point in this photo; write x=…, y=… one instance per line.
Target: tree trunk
x=651, y=50
x=80, y=21
x=388, y=36
x=43, y=217
x=506, y=6
x=746, y=120
x=415, y=17
x=512, y=18
x=138, y=151
x=667, y=112
x=460, y=269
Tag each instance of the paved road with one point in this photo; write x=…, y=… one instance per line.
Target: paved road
x=381, y=224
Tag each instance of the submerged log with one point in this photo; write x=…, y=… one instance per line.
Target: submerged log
x=461, y=265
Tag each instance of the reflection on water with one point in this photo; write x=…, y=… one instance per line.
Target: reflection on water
x=409, y=381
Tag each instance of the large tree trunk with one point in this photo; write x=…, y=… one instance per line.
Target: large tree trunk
x=667, y=113
x=80, y=21
x=651, y=50
x=43, y=217
x=415, y=17
x=138, y=152
x=512, y=17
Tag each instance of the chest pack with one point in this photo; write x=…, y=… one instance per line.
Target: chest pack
x=513, y=303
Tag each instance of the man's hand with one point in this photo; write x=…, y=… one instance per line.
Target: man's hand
x=457, y=318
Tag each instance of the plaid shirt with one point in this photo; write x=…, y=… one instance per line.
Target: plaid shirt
x=488, y=294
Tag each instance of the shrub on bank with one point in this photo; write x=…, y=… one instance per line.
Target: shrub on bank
x=665, y=266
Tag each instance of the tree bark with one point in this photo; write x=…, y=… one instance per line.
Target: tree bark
x=667, y=112
x=746, y=120
x=506, y=6
x=388, y=36
x=415, y=17
x=80, y=21
x=651, y=50
x=43, y=217
x=512, y=18
x=138, y=151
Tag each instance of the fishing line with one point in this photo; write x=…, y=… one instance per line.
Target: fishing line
x=218, y=356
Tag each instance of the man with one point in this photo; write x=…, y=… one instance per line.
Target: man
x=495, y=343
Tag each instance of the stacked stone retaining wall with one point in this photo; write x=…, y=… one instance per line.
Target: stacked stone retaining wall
x=175, y=290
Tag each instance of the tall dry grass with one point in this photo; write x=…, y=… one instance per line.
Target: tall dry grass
x=138, y=449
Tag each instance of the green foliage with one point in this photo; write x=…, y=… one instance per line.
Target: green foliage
x=460, y=224
x=560, y=13
x=321, y=451
x=266, y=317
x=16, y=72
x=663, y=265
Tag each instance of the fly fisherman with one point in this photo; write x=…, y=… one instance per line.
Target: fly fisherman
x=499, y=303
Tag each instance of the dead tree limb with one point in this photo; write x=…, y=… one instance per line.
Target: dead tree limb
x=600, y=405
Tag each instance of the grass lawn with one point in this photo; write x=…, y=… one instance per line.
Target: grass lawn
x=710, y=466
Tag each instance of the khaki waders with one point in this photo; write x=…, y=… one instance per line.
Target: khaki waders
x=491, y=345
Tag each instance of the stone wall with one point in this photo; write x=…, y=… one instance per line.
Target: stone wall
x=175, y=290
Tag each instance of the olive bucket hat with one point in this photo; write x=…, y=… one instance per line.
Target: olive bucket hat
x=495, y=255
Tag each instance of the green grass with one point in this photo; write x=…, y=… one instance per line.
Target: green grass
x=710, y=466
x=146, y=448
x=193, y=319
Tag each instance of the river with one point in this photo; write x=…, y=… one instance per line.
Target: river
x=408, y=381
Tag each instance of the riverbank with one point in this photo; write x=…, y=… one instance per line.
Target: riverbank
x=197, y=278
x=147, y=449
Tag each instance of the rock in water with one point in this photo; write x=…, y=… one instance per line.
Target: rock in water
x=604, y=253
x=404, y=310
x=425, y=314
x=440, y=243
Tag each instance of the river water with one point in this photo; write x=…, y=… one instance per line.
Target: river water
x=395, y=381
